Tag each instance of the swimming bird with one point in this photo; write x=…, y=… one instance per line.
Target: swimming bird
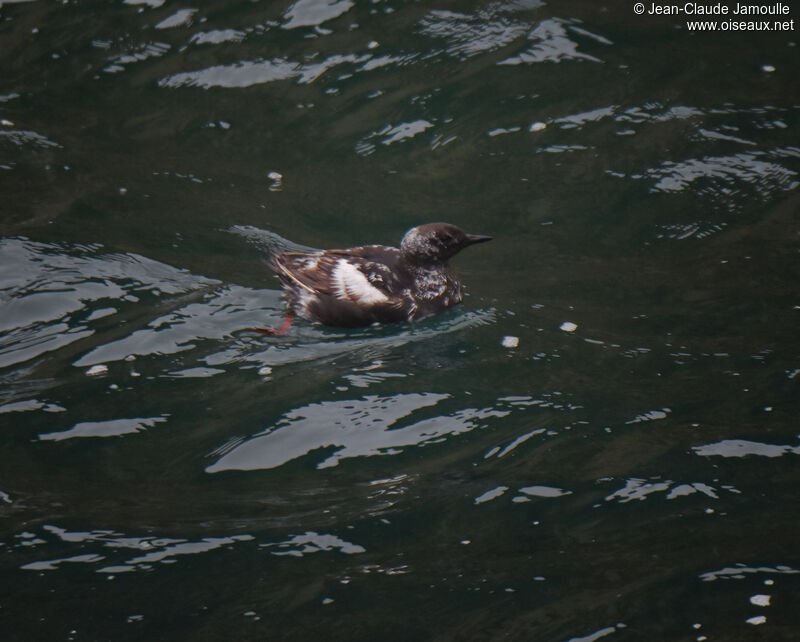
x=371, y=284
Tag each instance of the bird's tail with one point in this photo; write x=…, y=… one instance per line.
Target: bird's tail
x=270, y=242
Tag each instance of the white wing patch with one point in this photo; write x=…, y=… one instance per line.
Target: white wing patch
x=312, y=261
x=351, y=283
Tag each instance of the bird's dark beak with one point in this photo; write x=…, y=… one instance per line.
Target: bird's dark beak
x=472, y=239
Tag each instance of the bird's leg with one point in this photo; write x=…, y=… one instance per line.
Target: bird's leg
x=279, y=331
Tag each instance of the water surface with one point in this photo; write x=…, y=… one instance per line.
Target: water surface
x=602, y=442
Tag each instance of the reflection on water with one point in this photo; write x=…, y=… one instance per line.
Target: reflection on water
x=47, y=293
x=111, y=428
x=600, y=443
x=743, y=447
x=356, y=427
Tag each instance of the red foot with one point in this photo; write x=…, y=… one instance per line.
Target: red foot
x=284, y=327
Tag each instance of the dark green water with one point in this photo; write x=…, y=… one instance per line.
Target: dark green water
x=166, y=475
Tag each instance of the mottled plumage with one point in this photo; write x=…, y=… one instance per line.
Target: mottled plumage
x=376, y=283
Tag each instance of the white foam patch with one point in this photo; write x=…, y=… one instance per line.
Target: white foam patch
x=99, y=369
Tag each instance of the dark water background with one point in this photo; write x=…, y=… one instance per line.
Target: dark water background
x=166, y=475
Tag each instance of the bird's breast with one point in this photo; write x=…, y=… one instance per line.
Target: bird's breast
x=437, y=285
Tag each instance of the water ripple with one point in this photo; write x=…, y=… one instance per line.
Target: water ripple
x=113, y=549
x=470, y=35
x=222, y=312
x=312, y=13
x=23, y=137
x=137, y=54
x=312, y=542
x=369, y=426
x=109, y=428
x=551, y=43
x=743, y=448
x=47, y=292
x=492, y=462
x=752, y=168
x=355, y=427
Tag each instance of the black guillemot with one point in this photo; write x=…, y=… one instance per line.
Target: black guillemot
x=371, y=284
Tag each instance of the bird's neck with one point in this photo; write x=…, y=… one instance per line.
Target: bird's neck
x=423, y=264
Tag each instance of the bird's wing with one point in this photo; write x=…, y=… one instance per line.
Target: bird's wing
x=303, y=270
x=363, y=276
